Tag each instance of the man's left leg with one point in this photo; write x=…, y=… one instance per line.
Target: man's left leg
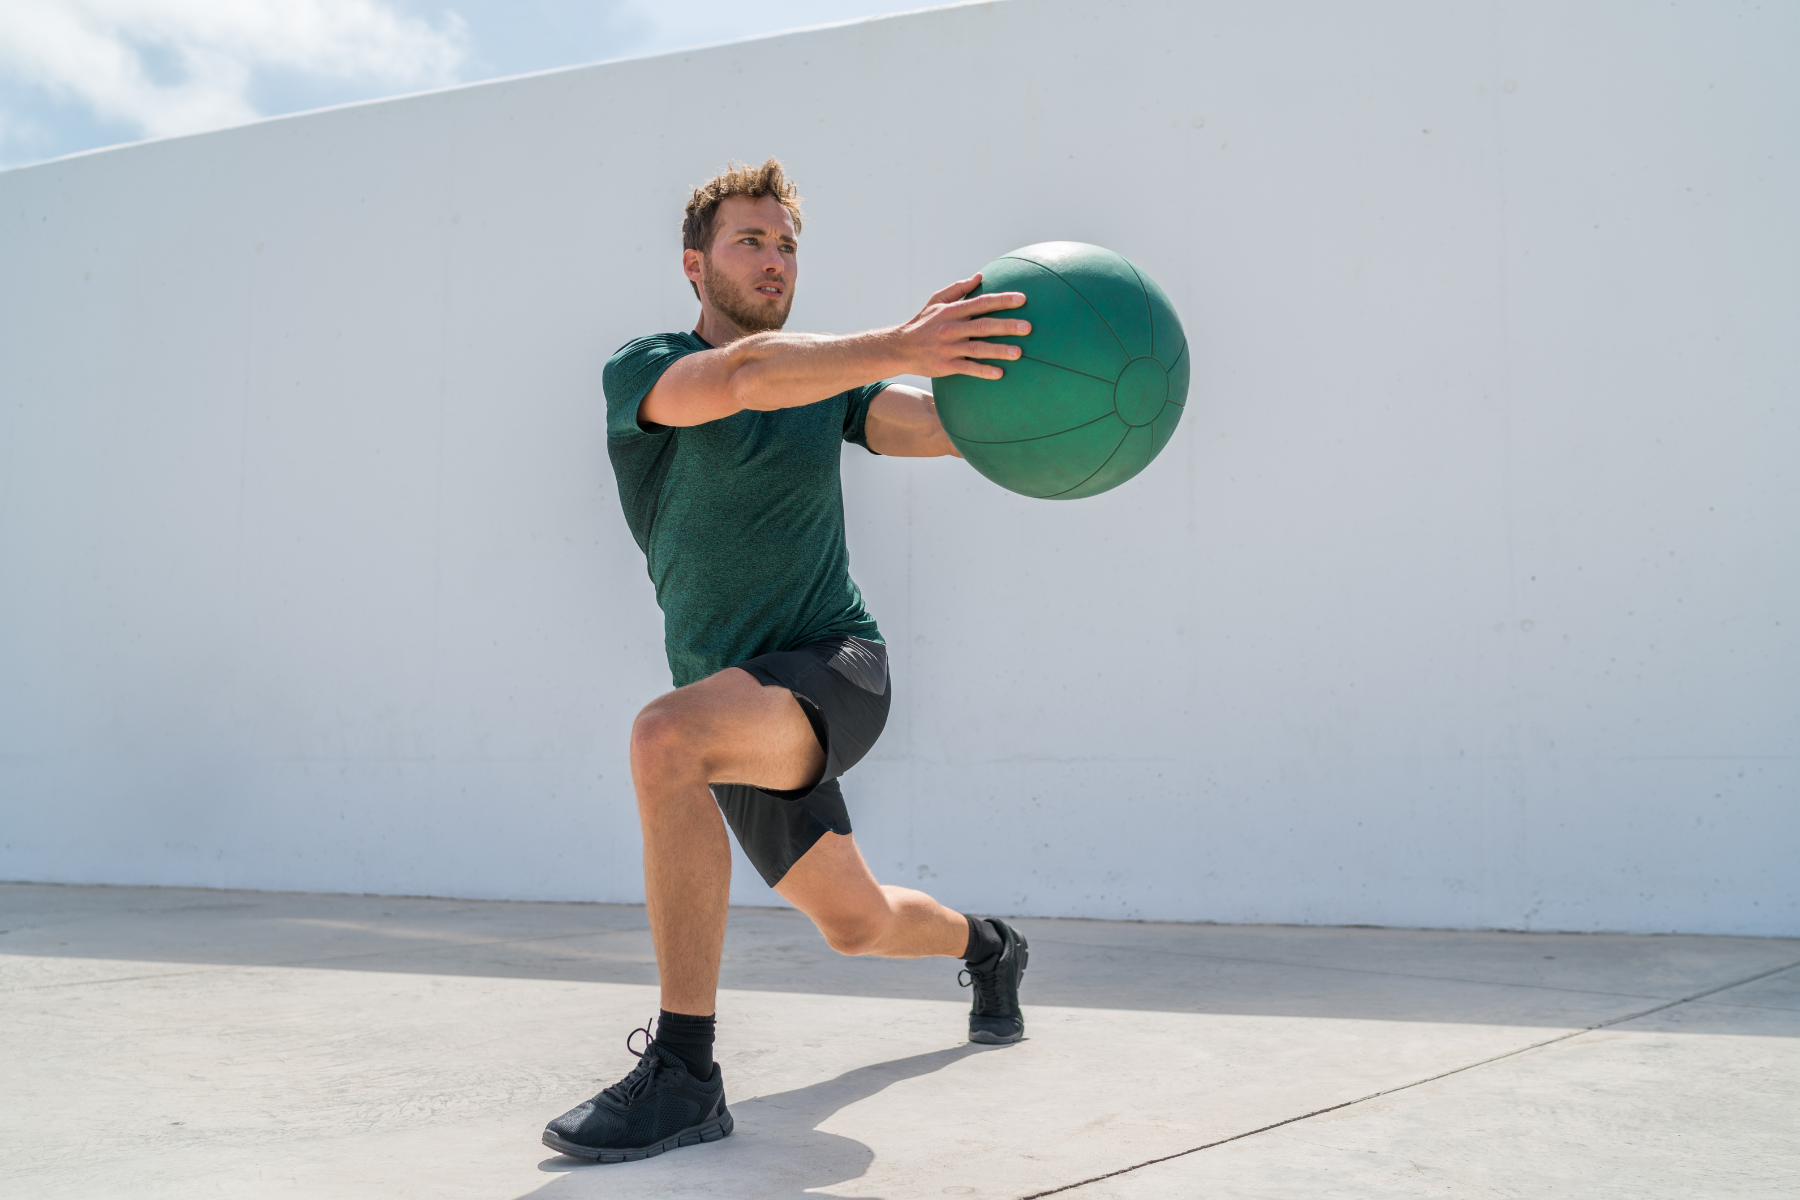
x=834, y=886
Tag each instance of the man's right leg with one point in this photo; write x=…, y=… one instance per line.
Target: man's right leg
x=727, y=728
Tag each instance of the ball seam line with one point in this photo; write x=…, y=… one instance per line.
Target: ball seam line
x=1044, y=362
x=1098, y=469
x=1040, y=437
x=1181, y=403
x=1149, y=310
x=1084, y=299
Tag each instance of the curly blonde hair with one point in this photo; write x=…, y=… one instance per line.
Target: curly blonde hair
x=737, y=179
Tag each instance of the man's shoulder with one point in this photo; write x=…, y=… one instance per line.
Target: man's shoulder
x=632, y=371
x=676, y=340
x=653, y=346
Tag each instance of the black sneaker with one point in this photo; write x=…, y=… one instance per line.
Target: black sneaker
x=657, y=1107
x=994, y=1018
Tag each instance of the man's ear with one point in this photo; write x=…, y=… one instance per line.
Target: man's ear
x=692, y=265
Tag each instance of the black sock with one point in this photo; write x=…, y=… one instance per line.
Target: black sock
x=689, y=1038
x=984, y=940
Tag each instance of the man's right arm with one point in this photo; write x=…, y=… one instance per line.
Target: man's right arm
x=766, y=371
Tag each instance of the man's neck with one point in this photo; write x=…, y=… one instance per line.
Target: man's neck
x=716, y=329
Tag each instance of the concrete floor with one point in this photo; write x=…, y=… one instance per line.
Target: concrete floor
x=159, y=1042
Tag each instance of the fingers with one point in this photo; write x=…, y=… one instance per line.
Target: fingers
x=994, y=327
x=968, y=366
x=989, y=350
x=992, y=302
x=956, y=291
x=945, y=334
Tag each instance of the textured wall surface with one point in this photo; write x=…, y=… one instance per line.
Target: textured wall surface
x=1464, y=596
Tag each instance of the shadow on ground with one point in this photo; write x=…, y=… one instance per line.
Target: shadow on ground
x=777, y=1144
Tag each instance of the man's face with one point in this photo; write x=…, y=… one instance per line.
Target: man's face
x=748, y=276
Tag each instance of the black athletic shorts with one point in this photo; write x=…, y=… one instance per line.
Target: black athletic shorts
x=843, y=688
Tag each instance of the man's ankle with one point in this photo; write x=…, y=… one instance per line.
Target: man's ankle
x=985, y=941
x=689, y=1038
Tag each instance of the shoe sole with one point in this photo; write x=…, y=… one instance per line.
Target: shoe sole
x=983, y=1037
x=712, y=1131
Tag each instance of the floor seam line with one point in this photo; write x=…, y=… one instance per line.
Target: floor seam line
x=1319, y=1112
x=1757, y=1007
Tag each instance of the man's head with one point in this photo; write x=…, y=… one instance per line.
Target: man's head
x=738, y=244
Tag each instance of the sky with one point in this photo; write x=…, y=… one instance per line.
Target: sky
x=80, y=74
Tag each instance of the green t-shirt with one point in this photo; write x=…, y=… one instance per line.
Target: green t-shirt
x=741, y=520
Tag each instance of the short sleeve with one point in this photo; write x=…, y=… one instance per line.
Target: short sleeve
x=632, y=372
x=856, y=412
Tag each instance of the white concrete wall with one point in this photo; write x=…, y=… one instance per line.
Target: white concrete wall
x=1465, y=595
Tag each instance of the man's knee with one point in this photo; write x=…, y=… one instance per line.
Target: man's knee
x=663, y=740
x=861, y=934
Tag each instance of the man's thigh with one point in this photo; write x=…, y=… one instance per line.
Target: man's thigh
x=743, y=731
x=832, y=883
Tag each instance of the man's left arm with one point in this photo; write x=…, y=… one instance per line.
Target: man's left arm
x=903, y=423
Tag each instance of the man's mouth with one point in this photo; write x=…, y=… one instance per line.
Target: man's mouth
x=770, y=289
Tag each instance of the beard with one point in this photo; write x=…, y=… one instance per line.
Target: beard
x=742, y=306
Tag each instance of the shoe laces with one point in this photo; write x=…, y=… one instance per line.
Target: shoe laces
x=629, y=1089
x=986, y=984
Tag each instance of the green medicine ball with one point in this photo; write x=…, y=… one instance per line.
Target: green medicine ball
x=1100, y=386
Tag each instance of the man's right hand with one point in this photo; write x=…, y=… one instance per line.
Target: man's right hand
x=946, y=337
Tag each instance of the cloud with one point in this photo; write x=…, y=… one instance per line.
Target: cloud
x=163, y=67
x=76, y=74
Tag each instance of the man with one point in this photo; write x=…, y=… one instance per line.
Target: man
x=725, y=442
